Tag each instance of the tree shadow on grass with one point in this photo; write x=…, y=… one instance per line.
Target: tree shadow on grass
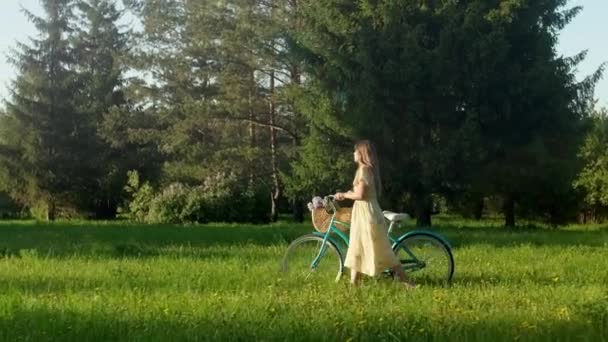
x=120, y=240
x=61, y=285
x=119, y=251
x=501, y=237
x=139, y=241
x=517, y=281
x=21, y=322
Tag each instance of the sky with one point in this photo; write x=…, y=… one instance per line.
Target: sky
x=588, y=31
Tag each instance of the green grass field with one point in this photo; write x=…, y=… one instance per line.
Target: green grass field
x=125, y=282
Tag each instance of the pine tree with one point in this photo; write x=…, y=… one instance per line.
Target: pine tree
x=42, y=142
x=221, y=91
x=100, y=48
x=458, y=96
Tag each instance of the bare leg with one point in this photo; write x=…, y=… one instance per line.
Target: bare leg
x=400, y=275
x=355, y=278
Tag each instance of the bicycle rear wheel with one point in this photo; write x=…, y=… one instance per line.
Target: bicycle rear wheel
x=308, y=258
x=425, y=259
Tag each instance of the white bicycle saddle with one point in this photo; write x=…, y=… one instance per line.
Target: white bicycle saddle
x=395, y=217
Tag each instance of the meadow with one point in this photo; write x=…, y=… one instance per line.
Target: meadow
x=118, y=281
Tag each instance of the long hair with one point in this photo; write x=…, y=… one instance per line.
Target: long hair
x=369, y=158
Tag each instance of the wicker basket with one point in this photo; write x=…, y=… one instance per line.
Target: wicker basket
x=321, y=219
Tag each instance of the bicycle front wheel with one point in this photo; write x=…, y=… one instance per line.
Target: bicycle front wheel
x=308, y=258
x=425, y=259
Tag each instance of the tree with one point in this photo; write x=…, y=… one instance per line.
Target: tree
x=529, y=107
x=389, y=71
x=260, y=73
x=222, y=90
x=100, y=48
x=43, y=136
x=593, y=178
x=459, y=96
x=177, y=54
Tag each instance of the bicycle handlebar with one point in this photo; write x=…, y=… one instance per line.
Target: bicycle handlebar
x=329, y=199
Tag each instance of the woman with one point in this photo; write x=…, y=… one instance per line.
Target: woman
x=369, y=250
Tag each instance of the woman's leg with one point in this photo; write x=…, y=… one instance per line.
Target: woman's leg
x=355, y=277
x=400, y=275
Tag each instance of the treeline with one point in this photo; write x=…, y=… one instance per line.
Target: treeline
x=238, y=110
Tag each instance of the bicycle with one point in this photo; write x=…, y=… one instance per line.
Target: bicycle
x=426, y=256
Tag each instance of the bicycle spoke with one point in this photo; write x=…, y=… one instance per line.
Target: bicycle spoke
x=301, y=254
x=425, y=259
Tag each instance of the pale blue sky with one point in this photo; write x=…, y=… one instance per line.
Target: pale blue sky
x=589, y=30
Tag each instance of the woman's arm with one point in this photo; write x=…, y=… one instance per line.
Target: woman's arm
x=357, y=193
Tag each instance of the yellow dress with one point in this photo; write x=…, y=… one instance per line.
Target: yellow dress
x=369, y=250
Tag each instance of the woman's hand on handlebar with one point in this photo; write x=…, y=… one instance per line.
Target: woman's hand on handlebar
x=339, y=196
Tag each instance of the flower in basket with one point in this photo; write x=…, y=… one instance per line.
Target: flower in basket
x=317, y=203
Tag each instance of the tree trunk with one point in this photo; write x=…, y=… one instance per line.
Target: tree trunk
x=582, y=217
x=276, y=192
x=105, y=209
x=554, y=217
x=478, y=211
x=298, y=210
x=50, y=211
x=423, y=210
x=509, y=210
x=252, y=140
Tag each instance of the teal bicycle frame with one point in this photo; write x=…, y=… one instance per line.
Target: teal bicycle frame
x=342, y=242
x=327, y=237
